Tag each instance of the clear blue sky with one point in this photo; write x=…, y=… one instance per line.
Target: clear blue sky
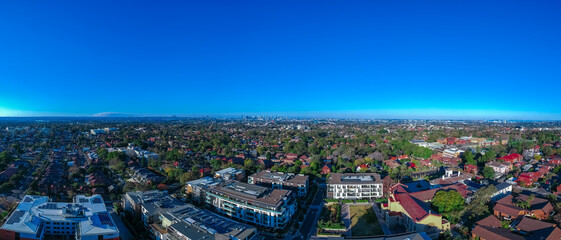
x=462, y=59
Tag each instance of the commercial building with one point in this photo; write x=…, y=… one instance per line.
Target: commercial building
x=296, y=183
x=37, y=218
x=271, y=208
x=354, y=186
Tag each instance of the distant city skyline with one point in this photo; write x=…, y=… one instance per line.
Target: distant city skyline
x=363, y=59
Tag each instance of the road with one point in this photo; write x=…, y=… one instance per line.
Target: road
x=124, y=232
x=310, y=221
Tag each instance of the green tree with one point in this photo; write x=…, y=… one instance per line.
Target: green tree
x=469, y=158
x=448, y=201
x=488, y=172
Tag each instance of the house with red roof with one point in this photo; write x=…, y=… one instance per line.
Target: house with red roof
x=291, y=157
x=450, y=140
x=511, y=158
x=555, y=161
x=403, y=157
x=204, y=171
x=392, y=163
x=361, y=167
x=426, y=163
x=526, y=179
x=470, y=168
x=326, y=169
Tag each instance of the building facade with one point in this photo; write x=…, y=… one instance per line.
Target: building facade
x=354, y=186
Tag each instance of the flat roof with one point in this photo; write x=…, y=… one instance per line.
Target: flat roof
x=89, y=213
x=202, y=219
x=354, y=178
x=280, y=177
x=253, y=194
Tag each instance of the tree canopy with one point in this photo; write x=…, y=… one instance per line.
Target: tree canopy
x=448, y=201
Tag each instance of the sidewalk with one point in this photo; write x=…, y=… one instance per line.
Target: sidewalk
x=381, y=219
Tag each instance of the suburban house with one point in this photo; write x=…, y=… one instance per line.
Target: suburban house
x=508, y=209
x=511, y=158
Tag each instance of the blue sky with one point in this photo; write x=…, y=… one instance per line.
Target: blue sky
x=379, y=59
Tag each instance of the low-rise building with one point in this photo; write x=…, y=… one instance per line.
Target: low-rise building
x=452, y=152
x=498, y=167
x=503, y=189
x=271, y=208
x=197, y=188
x=296, y=183
x=354, y=186
x=230, y=174
x=412, y=209
x=508, y=208
x=36, y=217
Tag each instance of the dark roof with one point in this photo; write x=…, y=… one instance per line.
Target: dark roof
x=551, y=233
x=495, y=233
x=253, y=194
x=502, y=186
x=490, y=221
x=507, y=209
x=530, y=225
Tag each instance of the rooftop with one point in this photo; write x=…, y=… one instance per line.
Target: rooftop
x=354, y=178
x=89, y=213
x=253, y=194
x=280, y=177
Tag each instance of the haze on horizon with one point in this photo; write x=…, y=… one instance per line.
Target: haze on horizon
x=365, y=59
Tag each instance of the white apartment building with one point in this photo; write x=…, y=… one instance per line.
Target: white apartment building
x=354, y=186
x=37, y=218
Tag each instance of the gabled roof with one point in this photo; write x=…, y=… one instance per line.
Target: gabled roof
x=529, y=225
x=490, y=221
x=495, y=233
x=507, y=209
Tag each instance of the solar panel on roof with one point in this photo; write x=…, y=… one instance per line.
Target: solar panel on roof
x=16, y=217
x=83, y=200
x=49, y=206
x=96, y=200
x=105, y=219
x=28, y=199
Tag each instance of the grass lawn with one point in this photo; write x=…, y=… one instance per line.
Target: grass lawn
x=364, y=221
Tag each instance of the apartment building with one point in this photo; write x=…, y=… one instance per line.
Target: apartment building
x=266, y=207
x=296, y=183
x=86, y=218
x=354, y=186
x=230, y=174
